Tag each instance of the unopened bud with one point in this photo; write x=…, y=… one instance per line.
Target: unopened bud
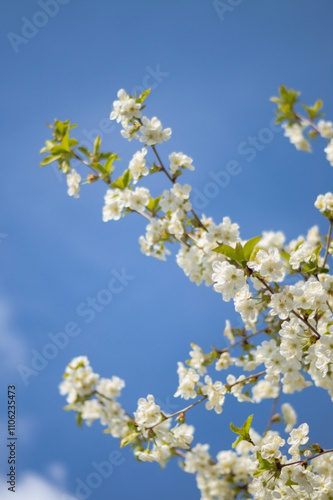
x=92, y=178
x=181, y=418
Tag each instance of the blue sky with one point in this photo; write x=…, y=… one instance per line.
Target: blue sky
x=212, y=76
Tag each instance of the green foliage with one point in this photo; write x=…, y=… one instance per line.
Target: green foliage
x=244, y=431
x=129, y=438
x=239, y=255
x=286, y=111
x=153, y=205
x=264, y=465
x=123, y=181
x=63, y=148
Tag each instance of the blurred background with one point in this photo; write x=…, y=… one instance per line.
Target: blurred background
x=212, y=67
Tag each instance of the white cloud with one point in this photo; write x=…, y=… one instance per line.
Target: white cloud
x=34, y=487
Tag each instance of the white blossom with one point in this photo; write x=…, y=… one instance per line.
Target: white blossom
x=73, y=183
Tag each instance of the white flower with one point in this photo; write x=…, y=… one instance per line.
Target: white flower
x=224, y=361
x=295, y=134
x=228, y=279
x=263, y=390
x=187, y=382
x=138, y=199
x=268, y=264
x=226, y=232
x=227, y=332
x=197, y=359
x=176, y=200
x=271, y=447
x=197, y=459
x=247, y=307
x=304, y=253
x=73, y=183
x=152, y=133
x=182, y=436
x=299, y=436
x=79, y=380
x=179, y=160
x=282, y=303
x=289, y=416
x=138, y=166
x=110, y=388
x=91, y=410
x=215, y=393
x=148, y=413
x=125, y=108
x=113, y=204
x=271, y=239
x=324, y=202
x=329, y=152
x=158, y=454
x=325, y=129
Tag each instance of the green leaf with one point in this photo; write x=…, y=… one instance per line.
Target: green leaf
x=58, y=149
x=85, y=151
x=228, y=251
x=65, y=166
x=290, y=482
x=239, y=252
x=65, y=143
x=123, y=181
x=155, y=168
x=129, y=438
x=143, y=96
x=127, y=177
x=285, y=255
x=153, y=204
x=244, y=431
x=79, y=419
x=109, y=167
x=247, y=424
x=263, y=466
x=97, y=145
x=238, y=440
x=249, y=246
x=48, y=159
x=99, y=167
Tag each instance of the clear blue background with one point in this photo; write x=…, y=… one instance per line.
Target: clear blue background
x=218, y=78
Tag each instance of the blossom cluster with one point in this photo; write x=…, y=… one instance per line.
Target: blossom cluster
x=283, y=292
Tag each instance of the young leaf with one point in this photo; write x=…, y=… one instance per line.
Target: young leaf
x=129, y=438
x=85, y=151
x=97, y=145
x=65, y=143
x=153, y=204
x=143, y=96
x=249, y=246
x=263, y=466
x=48, y=159
x=244, y=431
x=79, y=419
x=228, y=251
